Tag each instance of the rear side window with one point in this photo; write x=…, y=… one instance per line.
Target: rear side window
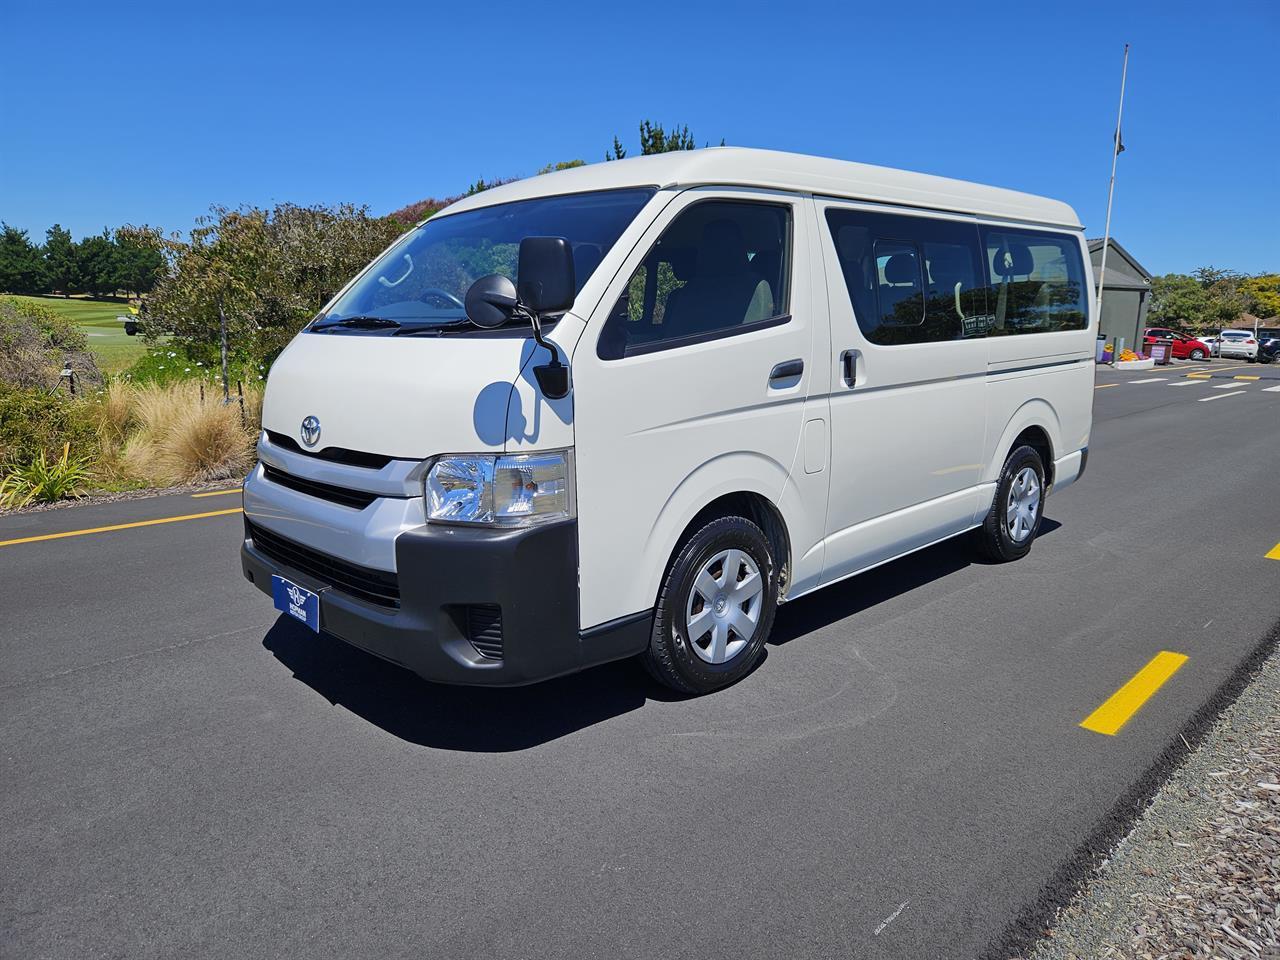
x=910, y=279
x=721, y=268
x=1036, y=282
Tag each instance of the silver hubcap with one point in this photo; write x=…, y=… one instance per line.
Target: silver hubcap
x=1024, y=504
x=724, y=606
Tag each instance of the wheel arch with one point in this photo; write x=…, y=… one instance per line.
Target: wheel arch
x=1036, y=424
x=744, y=484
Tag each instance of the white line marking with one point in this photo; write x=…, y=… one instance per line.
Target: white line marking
x=1225, y=386
x=1271, y=389
x=1151, y=380
x=1221, y=396
x=1187, y=383
x=891, y=917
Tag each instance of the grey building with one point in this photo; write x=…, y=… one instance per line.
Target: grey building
x=1126, y=295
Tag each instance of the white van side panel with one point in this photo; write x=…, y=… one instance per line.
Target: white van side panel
x=660, y=435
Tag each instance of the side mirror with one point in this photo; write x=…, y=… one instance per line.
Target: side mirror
x=491, y=301
x=545, y=272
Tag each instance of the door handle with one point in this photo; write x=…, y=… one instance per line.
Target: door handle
x=786, y=370
x=849, y=367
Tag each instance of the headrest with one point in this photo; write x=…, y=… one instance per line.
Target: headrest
x=1013, y=260
x=724, y=250
x=901, y=268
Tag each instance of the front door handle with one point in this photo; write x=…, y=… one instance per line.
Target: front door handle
x=787, y=370
x=849, y=367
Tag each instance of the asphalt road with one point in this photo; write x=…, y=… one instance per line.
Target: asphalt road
x=905, y=775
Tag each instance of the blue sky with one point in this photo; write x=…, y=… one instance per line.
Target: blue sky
x=118, y=112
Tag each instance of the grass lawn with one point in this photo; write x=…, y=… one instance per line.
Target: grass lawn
x=114, y=349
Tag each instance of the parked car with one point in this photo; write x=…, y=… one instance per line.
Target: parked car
x=1268, y=344
x=1213, y=342
x=1184, y=347
x=1241, y=344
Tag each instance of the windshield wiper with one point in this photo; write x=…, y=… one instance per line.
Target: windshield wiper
x=431, y=329
x=358, y=323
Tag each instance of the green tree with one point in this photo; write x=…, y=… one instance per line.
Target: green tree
x=654, y=138
x=268, y=270
x=562, y=165
x=60, y=260
x=138, y=264
x=96, y=264
x=21, y=268
x=1264, y=291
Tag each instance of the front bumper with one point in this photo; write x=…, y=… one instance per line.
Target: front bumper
x=451, y=581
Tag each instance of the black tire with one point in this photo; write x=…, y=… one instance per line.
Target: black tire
x=1197, y=354
x=993, y=539
x=671, y=658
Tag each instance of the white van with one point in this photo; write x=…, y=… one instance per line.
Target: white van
x=721, y=379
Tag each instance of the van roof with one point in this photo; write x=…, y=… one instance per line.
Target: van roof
x=775, y=170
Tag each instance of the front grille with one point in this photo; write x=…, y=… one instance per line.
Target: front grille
x=363, y=583
x=359, y=499
x=353, y=458
x=484, y=629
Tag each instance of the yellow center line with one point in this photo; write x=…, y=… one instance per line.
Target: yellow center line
x=119, y=526
x=1128, y=700
x=215, y=493
x=1273, y=553
x=1245, y=376
x=1103, y=386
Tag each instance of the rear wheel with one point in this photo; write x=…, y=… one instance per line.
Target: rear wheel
x=715, y=608
x=1014, y=518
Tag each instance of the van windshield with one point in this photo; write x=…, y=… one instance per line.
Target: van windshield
x=420, y=283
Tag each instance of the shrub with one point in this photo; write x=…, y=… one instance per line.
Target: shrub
x=33, y=422
x=43, y=480
x=180, y=436
x=35, y=342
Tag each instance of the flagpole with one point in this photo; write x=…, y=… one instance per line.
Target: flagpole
x=1111, y=189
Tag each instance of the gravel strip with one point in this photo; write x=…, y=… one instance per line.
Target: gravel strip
x=1199, y=874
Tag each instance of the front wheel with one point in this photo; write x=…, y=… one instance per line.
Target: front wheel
x=1014, y=518
x=1197, y=354
x=715, y=608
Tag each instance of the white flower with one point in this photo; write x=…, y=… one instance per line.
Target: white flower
x=186, y=369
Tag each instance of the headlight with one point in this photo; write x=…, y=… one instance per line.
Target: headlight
x=513, y=490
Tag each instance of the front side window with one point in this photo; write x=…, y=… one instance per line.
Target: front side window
x=910, y=279
x=1036, y=282
x=421, y=282
x=720, y=268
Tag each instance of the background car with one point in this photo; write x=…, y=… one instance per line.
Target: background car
x=1241, y=344
x=1212, y=341
x=1268, y=344
x=1184, y=347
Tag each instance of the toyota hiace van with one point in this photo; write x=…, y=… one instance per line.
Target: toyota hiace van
x=628, y=409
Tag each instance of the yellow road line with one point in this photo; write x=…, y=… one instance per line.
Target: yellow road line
x=1128, y=700
x=119, y=526
x=215, y=493
x=1245, y=376
x=1273, y=553
x=1200, y=376
x=1103, y=386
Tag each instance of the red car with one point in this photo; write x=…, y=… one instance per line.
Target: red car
x=1184, y=347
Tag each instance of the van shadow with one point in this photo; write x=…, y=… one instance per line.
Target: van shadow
x=874, y=587
x=501, y=720
x=475, y=719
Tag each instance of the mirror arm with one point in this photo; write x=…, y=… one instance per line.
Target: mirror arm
x=553, y=377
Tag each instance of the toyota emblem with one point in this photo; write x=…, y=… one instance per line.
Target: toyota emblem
x=310, y=431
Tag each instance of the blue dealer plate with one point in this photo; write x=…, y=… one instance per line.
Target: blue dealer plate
x=296, y=602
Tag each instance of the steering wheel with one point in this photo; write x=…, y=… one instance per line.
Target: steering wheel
x=438, y=294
